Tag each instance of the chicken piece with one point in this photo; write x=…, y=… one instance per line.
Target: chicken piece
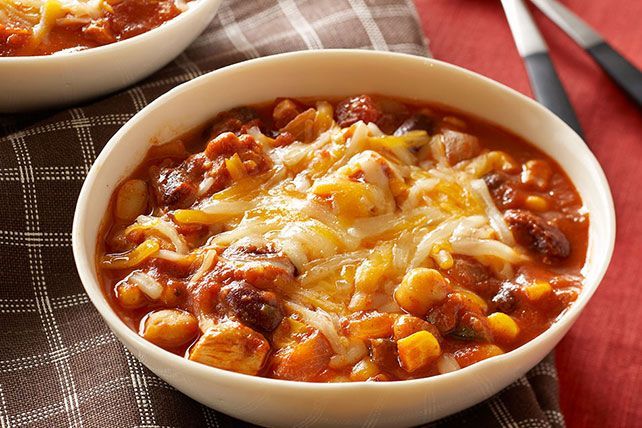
x=506, y=299
x=303, y=361
x=537, y=173
x=301, y=127
x=467, y=272
x=447, y=315
x=459, y=146
x=100, y=31
x=472, y=326
x=384, y=354
x=231, y=346
x=475, y=353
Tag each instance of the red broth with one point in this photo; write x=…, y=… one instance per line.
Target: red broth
x=258, y=306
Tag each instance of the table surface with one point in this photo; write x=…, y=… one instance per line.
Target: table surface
x=600, y=360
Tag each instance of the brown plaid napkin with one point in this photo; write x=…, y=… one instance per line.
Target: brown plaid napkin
x=59, y=363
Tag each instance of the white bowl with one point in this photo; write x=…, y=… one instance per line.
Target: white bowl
x=335, y=73
x=38, y=82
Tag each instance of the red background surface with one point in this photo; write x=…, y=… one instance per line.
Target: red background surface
x=600, y=360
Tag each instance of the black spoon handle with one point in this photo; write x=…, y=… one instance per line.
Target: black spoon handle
x=625, y=74
x=548, y=88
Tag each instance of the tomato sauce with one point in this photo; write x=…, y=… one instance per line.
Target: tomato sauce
x=536, y=198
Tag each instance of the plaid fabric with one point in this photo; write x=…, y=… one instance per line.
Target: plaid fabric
x=59, y=363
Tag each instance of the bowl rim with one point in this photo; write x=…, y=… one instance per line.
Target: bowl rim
x=192, y=7
x=94, y=291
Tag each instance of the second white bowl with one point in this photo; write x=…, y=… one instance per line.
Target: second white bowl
x=38, y=82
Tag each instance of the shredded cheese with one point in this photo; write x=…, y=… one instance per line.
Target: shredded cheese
x=353, y=210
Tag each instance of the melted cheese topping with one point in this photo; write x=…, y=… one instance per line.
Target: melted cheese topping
x=354, y=210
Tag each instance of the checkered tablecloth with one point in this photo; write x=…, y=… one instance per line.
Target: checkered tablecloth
x=59, y=363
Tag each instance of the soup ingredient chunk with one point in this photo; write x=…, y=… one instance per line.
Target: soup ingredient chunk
x=170, y=328
x=231, y=346
x=361, y=239
x=352, y=110
x=255, y=308
x=534, y=232
x=420, y=289
x=459, y=146
x=131, y=200
x=303, y=360
x=418, y=350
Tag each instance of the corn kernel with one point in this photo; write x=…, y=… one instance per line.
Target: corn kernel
x=418, y=350
x=538, y=289
x=536, y=203
x=503, y=327
x=364, y=370
x=420, y=289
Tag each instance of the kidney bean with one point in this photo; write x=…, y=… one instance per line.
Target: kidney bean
x=506, y=298
x=417, y=121
x=354, y=109
x=534, y=232
x=255, y=308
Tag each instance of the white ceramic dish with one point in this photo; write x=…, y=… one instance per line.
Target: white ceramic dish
x=38, y=82
x=334, y=73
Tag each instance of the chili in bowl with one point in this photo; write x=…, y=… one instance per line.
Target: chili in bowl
x=56, y=52
x=339, y=238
